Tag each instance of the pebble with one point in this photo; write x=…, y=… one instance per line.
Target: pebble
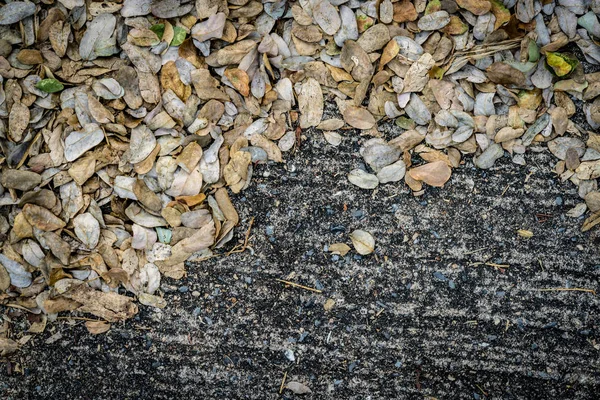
x=559, y=201
x=183, y=289
x=337, y=229
x=289, y=354
x=358, y=214
x=439, y=276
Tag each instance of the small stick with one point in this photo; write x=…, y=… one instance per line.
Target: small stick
x=245, y=245
x=505, y=190
x=497, y=265
x=482, y=391
x=592, y=291
x=13, y=305
x=82, y=319
x=282, y=382
x=476, y=251
x=298, y=286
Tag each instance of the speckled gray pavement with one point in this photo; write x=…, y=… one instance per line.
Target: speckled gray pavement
x=424, y=317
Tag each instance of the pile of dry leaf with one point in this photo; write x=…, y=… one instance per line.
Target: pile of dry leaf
x=124, y=125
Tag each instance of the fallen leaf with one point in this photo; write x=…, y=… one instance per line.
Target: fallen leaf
x=434, y=174
x=87, y=229
x=339, y=248
x=363, y=242
x=97, y=327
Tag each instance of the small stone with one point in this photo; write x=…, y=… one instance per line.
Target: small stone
x=289, y=354
x=329, y=303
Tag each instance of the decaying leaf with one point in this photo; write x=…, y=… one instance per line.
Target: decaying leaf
x=110, y=306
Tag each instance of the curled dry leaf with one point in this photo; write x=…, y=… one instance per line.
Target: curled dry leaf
x=110, y=306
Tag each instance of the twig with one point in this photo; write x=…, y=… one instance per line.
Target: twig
x=482, y=391
x=245, y=245
x=489, y=264
x=13, y=305
x=299, y=286
x=82, y=319
x=592, y=291
x=476, y=251
x=282, y=382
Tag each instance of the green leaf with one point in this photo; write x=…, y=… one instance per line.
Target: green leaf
x=433, y=6
x=178, y=36
x=534, y=51
x=159, y=29
x=561, y=64
x=405, y=123
x=50, y=85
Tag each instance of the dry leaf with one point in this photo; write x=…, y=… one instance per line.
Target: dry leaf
x=97, y=327
x=297, y=387
x=434, y=174
x=363, y=242
x=339, y=248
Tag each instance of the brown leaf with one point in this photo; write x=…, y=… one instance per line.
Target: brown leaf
x=404, y=11
x=111, y=306
x=226, y=205
x=146, y=196
x=170, y=79
x=504, y=74
x=42, y=218
x=19, y=179
x=358, y=117
x=476, y=7
x=310, y=102
x=7, y=346
x=18, y=120
x=239, y=79
x=189, y=158
x=97, y=327
x=434, y=174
